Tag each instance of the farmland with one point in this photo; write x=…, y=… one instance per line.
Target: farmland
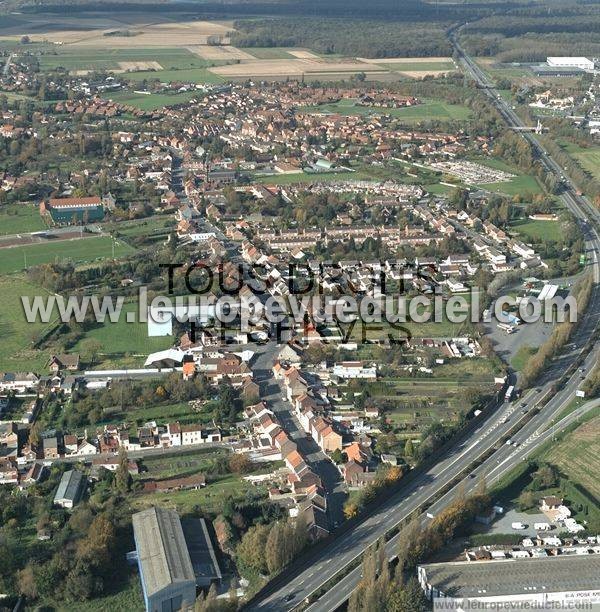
x=588, y=158
x=152, y=101
x=78, y=251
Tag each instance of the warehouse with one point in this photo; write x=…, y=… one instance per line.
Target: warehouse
x=547, y=580
x=173, y=560
x=570, y=62
x=70, y=489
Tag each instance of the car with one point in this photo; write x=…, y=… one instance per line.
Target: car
x=538, y=390
x=508, y=442
x=472, y=475
x=289, y=597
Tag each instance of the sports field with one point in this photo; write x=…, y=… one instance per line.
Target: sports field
x=78, y=251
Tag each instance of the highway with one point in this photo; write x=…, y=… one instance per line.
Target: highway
x=487, y=441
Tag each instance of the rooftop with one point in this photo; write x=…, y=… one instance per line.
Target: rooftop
x=162, y=552
x=497, y=578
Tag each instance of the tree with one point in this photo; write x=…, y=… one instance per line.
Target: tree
x=240, y=463
x=407, y=598
x=90, y=347
x=251, y=550
x=409, y=450
x=526, y=500
x=122, y=475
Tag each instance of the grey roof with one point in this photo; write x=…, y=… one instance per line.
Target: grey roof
x=70, y=487
x=162, y=552
x=515, y=576
x=201, y=550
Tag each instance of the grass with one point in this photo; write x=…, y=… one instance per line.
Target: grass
x=210, y=498
x=588, y=158
x=268, y=52
x=429, y=110
x=17, y=352
x=124, y=338
x=538, y=230
x=521, y=184
x=152, y=226
x=181, y=464
x=402, y=66
x=302, y=177
x=578, y=456
x=78, y=251
x=152, y=101
x=20, y=218
x=190, y=75
x=522, y=356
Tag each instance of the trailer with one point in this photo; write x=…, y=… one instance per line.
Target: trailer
x=509, y=393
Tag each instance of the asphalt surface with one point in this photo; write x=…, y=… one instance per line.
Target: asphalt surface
x=490, y=436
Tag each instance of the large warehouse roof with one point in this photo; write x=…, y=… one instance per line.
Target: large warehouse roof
x=70, y=487
x=498, y=578
x=162, y=552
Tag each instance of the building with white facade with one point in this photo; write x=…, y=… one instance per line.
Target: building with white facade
x=570, y=62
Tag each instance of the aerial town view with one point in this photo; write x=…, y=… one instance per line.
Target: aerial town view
x=299, y=305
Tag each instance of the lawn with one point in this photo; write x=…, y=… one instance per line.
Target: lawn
x=78, y=251
x=429, y=110
x=151, y=226
x=408, y=66
x=152, y=101
x=17, y=352
x=538, y=230
x=126, y=338
x=20, y=219
x=522, y=184
x=181, y=464
x=578, y=456
x=303, y=177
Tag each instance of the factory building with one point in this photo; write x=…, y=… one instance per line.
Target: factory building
x=545, y=582
x=582, y=63
x=70, y=489
x=174, y=560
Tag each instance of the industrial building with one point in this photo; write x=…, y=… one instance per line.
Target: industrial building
x=583, y=63
x=174, y=559
x=543, y=581
x=70, y=489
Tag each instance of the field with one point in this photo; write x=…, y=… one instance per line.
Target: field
x=94, y=30
x=588, y=158
x=17, y=352
x=578, y=456
x=123, y=338
x=185, y=75
x=538, y=230
x=71, y=58
x=78, y=251
x=153, y=101
x=430, y=110
x=20, y=219
x=522, y=184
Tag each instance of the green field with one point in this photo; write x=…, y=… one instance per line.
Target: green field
x=108, y=59
x=123, y=338
x=522, y=184
x=522, y=356
x=191, y=75
x=578, y=456
x=402, y=66
x=17, y=334
x=268, y=52
x=430, y=110
x=78, y=251
x=538, y=230
x=157, y=225
x=588, y=158
x=152, y=101
x=20, y=219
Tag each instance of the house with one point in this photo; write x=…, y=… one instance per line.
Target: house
x=65, y=211
x=9, y=438
x=112, y=463
x=50, y=446
x=350, y=470
x=550, y=502
x=70, y=489
x=71, y=444
x=9, y=473
x=193, y=482
x=290, y=354
x=354, y=370
x=63, y=362
x=18, y=381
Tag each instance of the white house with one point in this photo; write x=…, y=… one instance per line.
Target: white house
x=355, y=369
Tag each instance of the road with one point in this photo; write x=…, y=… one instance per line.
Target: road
x=272, y=392
x=306, y=579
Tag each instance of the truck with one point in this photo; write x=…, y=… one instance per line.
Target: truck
x=509, y=329
x=509, y=393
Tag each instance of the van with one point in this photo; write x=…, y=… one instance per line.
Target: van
x=541, y=526
x=518, y=526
